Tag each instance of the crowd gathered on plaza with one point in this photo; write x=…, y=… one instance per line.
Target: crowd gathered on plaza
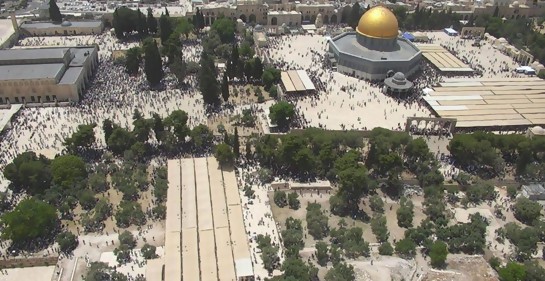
x=339, y=103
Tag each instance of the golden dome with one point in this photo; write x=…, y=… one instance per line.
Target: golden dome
x=378, y=22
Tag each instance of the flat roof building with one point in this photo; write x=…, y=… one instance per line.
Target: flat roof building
x=64, y=28
x=212, y=243
x=37, y=75
x=534, y=191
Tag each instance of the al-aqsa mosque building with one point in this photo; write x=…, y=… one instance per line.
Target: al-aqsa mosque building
x=375, y=48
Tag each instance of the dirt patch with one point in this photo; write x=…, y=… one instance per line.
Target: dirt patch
x=463, y=268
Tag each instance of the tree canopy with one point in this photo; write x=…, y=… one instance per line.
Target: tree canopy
x=29, y=172
x=31, y=222
x=282, y=114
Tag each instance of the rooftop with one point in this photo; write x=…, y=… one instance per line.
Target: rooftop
x=81, y=24
x=31, y=71
x=534, y=189
x=348, y=43
x=12, y=56
x=489, y=102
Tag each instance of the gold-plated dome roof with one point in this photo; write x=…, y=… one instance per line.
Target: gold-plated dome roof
x=378, y=22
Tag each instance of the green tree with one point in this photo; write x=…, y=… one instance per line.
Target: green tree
x=280, y=199
x=54, y=12
x=177, y=123
x=405, y=213
x=87, y=199
x=224, y=154
x=208, y=85
x=67, y=241
x=179, y=68
x=386, y=249
x=108, y=128
x=376, y=204
x=341, y=272
x=184, y=27
x=148, y=251
x=225, y=28
x=270, y=76
x=165, y=28
x=132, y=60
x=152, y=21
x=29, y=172
x=379, y=228
x=225, y=87
x=405, y=248
x=67, y=170
x=322, y=255
x=99, y=271
x=293, y=201
x=512, y=272
x=201, y=137
x=236, y=144
x=257, y=68
x=32, y=220
x=120, y=140
x=83, y=137
x=355, y=15
x=317, y=222
x=129, y=213
x=126, y=238
x=282, y=114
x=527, y=211
x=438, y=254
x=233, y=63
x=153, y=65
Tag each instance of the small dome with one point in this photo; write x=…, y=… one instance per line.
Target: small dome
x=516, y=4
x=66, y=23
x=399, y=76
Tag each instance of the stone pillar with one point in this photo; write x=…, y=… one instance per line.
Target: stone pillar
x=14, y=22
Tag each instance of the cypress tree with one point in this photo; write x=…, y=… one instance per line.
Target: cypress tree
x=152, y=22
x=54, y=12
x=233, y=63
x=208, y=85
x=165, y=28
x=236, y=144
x=152, y=62
x=225, y=87
x=258, y=68
x=142, y=24
x=496, y=11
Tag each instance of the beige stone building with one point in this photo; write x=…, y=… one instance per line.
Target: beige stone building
x=65, y=28
x=256, y=12
x=309, y=12
x=279, y=18
x=250, y=12
x=36, y=75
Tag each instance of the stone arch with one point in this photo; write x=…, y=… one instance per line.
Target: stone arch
x=274, y=21
x=334, y=19
x=326, y=19
x=243, y=17
x=252, y=18
x=307, y=18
